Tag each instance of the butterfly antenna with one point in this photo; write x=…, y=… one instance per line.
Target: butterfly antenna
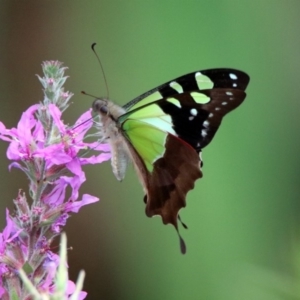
x=100, y=63
x=90, y=95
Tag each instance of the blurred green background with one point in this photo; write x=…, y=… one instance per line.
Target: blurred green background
x=243, y=215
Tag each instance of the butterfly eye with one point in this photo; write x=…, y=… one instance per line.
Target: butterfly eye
x=100, y=106
x=104, y=109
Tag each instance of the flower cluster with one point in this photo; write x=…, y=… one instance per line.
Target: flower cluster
x=51, y=154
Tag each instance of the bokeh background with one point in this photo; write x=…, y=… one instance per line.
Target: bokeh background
x=243, y=236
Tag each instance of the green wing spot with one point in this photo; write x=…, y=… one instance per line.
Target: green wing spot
x=203, y=82
x=154, y=116
x=200, y=98
x=176, y=86
x=150, y=111
x=151, y=98
x=147, y=140
x=174, y=101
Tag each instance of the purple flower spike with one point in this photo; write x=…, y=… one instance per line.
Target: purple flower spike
x=51, y=154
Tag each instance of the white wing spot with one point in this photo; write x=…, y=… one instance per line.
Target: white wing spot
x=205, y=124
x=191, y=118
x=233, y=76
x=217, y=108
x=229, y=93
x=224, y=103
x=210, y=115
x=194, y=112
x=234, y=85
x=203, y=133
x=176, y=86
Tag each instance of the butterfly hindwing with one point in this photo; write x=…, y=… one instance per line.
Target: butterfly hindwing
x=166, y=175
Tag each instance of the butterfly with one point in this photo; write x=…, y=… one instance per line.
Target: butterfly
x=163, y=132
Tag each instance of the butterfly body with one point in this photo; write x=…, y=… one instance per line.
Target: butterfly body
x=111, y=132
x=163, y=132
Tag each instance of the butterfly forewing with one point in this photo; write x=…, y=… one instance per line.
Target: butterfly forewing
x=191, y=106
x=199, y=80
x=197, y=118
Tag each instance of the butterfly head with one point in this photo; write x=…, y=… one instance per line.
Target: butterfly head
x=100, y=106
x=107, y=109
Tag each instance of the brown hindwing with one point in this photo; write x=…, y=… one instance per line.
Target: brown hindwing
x=173, y=176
